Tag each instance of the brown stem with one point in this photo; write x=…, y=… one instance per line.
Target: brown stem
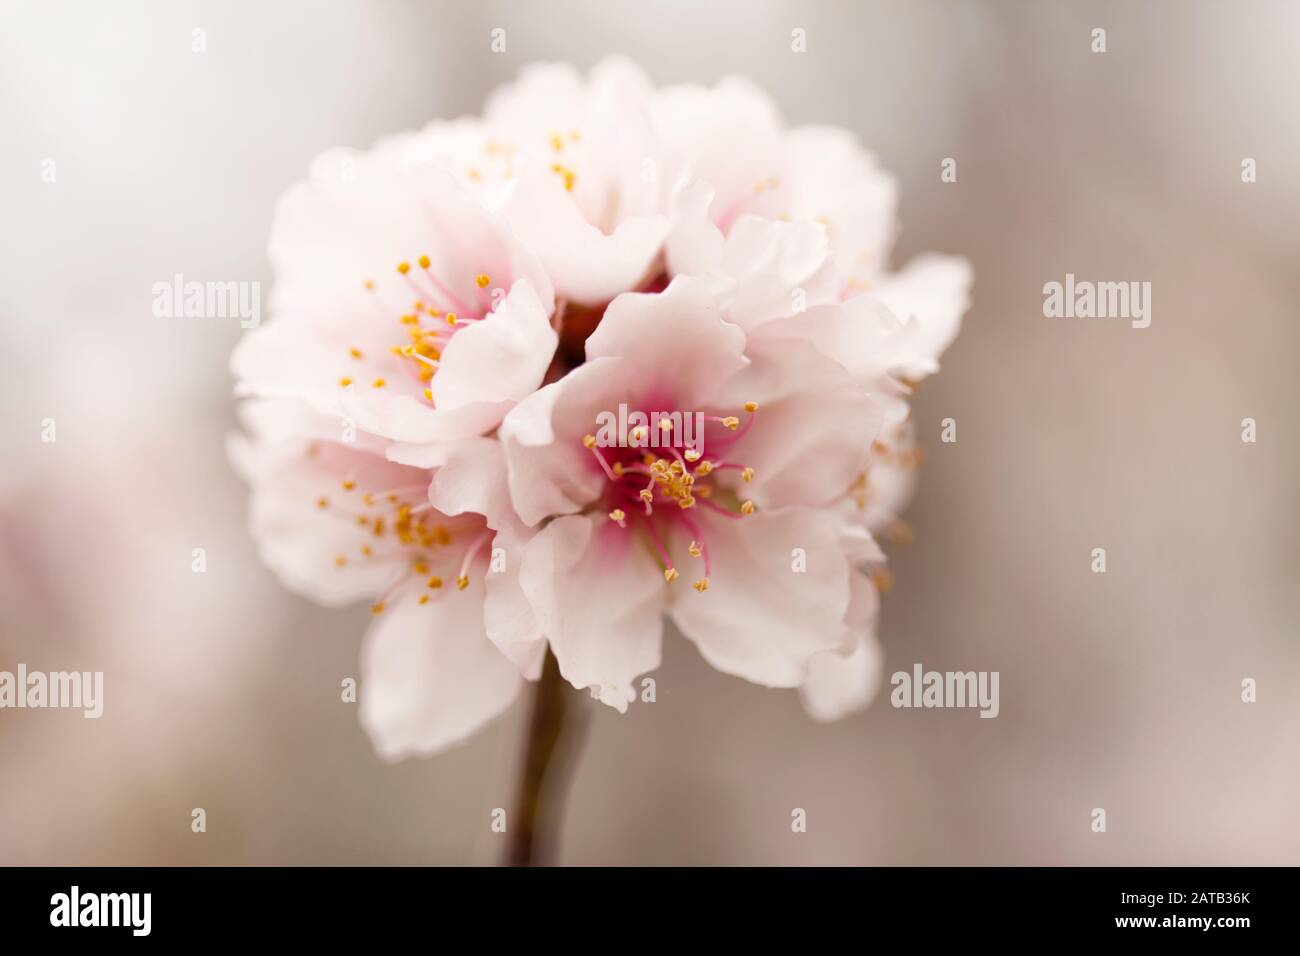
x=532, y=814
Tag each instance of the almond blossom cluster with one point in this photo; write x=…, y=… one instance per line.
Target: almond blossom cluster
x=455, y=309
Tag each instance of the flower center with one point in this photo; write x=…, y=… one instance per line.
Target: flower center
x=677, y=483
x=404, y=526
x=435, y=315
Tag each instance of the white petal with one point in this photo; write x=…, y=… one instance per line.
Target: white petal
x=430, y=677
x=811, y=436
x=501, y=358
x=935, y=291
x=599, y=598
x=761, y=619
x=586, y=265
x=678, y=338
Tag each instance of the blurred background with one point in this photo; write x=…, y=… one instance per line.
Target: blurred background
x=1119, y=691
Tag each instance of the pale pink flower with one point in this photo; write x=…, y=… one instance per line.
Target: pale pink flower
x=384, y=276
x=736, y=545
x=339, y=523
x=675, y=250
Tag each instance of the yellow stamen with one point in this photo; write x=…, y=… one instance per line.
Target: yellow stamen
x=694, y=550
x=731, y=422
x=482, y=280
x=670, y=575
x=751, y=406
x=747, y=507
x=345, y=381
x=589, y=441
x=701, y=585
x=377, y=608
x=355, y=352
x=424, y=262
x=379, y=383
x=618, y=515
x=434, y=582
x=340, y=561
x=403, y=267
x=322, y=502
x=747, y=474
x=462, y=582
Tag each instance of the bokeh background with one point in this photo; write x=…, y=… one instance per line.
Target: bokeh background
x=1119, y=691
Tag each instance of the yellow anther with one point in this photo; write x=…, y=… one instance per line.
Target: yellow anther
x=883, y=579
x=732, y=422
x=701, y=585
x=618, y=515
x=647, y=495
x=365, y=549
x=569, y=176
x=691, y=455
x=442, y=535
x=557, y=142
x=462, y=582
x=424, y=262
x=322, y=502
x=451, y=318
x=482, y=280
x=747, y=507
x=670, y=575
x=379, y=383
x=694, y=550
x=340, y=561
x=345, y=381
x=424, y=599
x=751, y=406
x=406, y=350
x=434, y=582
x=419, y=567
x=704, y=468
x=589, y=441
x=617, y=469
x=377, y=608
x=370, y=285
x=403, y=267
x=687, y=502
x=348, y=484
x=428, y=393
x=369, y=499
x=748, y=473
x=355, y=352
